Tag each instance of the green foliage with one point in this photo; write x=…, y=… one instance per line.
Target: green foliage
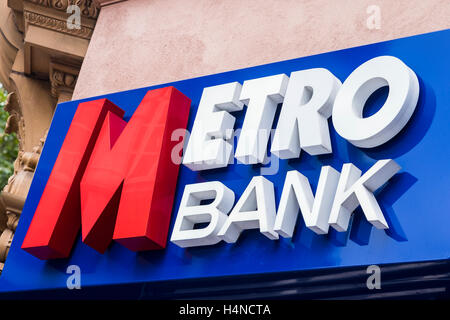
x=8, y=144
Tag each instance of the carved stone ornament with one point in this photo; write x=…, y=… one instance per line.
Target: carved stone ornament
x=13, y=196
x=89, y=8
x=56, y=25
x=62, y=78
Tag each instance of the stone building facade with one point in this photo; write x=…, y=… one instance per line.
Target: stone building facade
x=40, y=58
x=126, y=44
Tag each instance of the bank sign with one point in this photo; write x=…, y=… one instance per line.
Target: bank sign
x=334, y=160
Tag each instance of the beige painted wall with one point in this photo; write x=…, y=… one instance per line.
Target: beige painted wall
x=138, y=43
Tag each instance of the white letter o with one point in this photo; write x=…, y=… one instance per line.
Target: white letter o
x=394, y=114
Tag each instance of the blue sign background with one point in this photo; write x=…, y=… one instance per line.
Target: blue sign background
x=416, y=201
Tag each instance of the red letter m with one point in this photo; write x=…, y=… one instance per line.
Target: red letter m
x=114, y=179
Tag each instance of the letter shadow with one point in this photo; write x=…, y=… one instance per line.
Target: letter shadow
x=307, y=238
x=304, y=236
x=339, y=239
x=88, y=263
x=415, y=129
x=58, y=264
x=387, y=196
x=151, y=256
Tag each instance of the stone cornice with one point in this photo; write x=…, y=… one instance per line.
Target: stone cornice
x=103, y=3
x=55, y=24
x=89, y=8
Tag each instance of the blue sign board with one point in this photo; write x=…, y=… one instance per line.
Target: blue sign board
x=416, y=201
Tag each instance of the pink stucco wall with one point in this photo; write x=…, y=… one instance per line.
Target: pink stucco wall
x=138, y=43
